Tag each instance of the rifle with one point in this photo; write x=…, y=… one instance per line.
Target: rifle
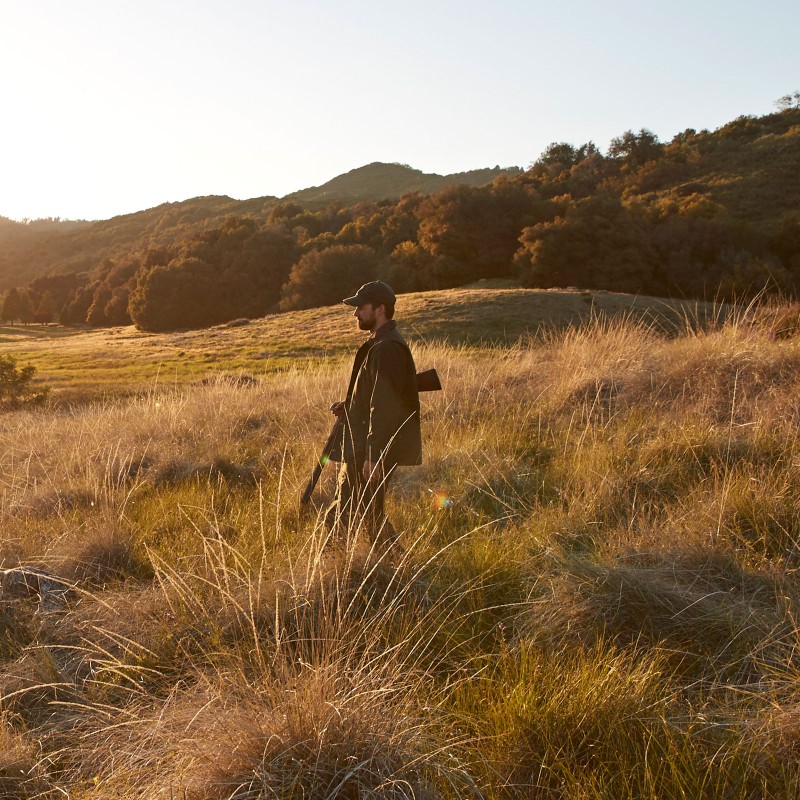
x=427, y=381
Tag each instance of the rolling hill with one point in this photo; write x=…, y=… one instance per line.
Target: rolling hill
x=379, y=181
x=28, y=251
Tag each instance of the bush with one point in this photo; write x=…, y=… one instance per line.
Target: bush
x=324, y=277
x=15, y=385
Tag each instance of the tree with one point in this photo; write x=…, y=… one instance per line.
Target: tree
x=116, y=309
x=786, y=241
x=11, y=306
x=704, y=253
x=453, y=229
x=25, y=308
x=234, y=270
x=743, y=274
x=561, y=153
x=15, y=385
x=585, y=176
x=366, y=230
x=59, y=285
x=79, y=304
x=184, y=294
x=407, y=267
x=598, y=244
x=555, y=158
x=96, y=315
x=46, y=309
x=684, y=136
x=472, y=232
x=324, y=277
x=788, y=101
x=635, y=149
x=402, y=223
x=252, y=275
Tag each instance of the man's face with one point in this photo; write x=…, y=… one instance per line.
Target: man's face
x=365, y=314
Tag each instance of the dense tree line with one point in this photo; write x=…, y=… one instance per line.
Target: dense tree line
x=694, y=217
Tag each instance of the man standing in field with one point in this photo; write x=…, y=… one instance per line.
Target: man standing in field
x=381, y=429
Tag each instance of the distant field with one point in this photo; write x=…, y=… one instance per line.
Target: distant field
x=79, y=362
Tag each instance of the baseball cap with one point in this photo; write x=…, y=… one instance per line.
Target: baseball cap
x=374, y=292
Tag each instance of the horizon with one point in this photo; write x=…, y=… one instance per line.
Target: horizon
x=121, y=110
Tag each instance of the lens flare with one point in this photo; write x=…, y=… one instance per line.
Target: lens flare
x=442, y=501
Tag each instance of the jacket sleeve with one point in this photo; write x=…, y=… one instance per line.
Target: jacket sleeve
x=389, y=370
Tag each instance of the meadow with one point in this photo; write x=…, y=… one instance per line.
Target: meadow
x=595, y=596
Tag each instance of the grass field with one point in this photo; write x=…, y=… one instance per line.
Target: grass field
x=76, y=362
x=596, y=594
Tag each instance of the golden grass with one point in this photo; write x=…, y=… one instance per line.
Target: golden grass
x=595, y=595
x=78, y=363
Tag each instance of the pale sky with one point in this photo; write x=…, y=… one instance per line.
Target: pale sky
x=113, y=106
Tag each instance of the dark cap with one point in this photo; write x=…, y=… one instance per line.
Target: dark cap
x=374, y=292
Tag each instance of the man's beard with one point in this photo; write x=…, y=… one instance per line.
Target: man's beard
x=365, y=324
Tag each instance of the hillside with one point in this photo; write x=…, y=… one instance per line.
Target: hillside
x=379, y=181
x=748, y=168
x=28, y=251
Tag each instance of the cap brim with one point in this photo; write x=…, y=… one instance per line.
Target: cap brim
x=355, y=300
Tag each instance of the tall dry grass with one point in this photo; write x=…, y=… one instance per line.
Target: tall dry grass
x=595, y=594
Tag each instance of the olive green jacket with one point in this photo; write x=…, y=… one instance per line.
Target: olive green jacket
x=382, y=405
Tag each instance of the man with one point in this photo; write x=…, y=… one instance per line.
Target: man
x=381, y=428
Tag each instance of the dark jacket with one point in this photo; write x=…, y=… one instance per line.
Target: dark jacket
x=382, y=405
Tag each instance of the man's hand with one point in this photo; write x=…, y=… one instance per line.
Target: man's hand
x=337, y=409
x=372, y=472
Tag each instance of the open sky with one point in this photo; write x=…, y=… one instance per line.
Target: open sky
x=114, y=106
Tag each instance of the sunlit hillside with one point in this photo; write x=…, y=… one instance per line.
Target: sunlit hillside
x=29, y=251
x=594, y=595
x=747, y=168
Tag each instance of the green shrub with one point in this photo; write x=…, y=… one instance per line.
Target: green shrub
x=15, y=385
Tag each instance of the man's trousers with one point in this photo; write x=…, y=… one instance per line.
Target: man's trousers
x=359, y=506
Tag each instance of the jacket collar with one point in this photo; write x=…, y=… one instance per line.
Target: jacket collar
x=384, y=330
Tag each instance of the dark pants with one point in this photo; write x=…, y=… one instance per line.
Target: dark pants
x=359, y=506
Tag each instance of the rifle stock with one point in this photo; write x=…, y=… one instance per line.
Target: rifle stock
x=427, y=381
